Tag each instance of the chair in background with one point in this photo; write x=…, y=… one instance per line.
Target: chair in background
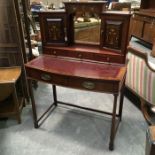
x=141, y=79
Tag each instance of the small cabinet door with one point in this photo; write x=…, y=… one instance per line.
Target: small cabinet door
x=114, y=31
x=53, y=28
x=112, y=34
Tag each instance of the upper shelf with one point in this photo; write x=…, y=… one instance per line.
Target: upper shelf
x=85, y=6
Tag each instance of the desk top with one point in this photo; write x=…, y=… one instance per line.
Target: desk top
x=77, y=68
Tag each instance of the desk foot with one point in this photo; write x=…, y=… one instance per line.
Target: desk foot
x=55, y=103
x=55, y=95
x=111, y=147
x=36, y=125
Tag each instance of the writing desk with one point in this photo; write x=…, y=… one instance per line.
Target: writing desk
x=84, y=75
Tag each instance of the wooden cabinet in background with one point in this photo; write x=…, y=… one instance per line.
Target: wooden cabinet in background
x=12, y=51
x=147, y=4
x=143, y=25
x=143, y=22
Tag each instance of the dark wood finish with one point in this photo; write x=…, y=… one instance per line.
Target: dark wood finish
x=113, y=34
x=147, y=4
x=86, y=52
x=78, y=65
x=9, y=43
x=21, y=46
x=114, y=30
x=63, y=73
x=24, y=7
x=150, y=141
x=53, y=28
x=83, y=75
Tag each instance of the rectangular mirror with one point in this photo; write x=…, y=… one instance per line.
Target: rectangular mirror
x=87, y=29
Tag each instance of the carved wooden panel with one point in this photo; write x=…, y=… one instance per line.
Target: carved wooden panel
x=113, y=30
x=53, y=28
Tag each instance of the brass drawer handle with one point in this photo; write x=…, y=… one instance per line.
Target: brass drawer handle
x=79, y=55
x=54, y=52
x=88, y=85
x=46, y=77
x=108, y=58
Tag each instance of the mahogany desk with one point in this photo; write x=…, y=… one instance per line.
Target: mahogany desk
x=84, y=75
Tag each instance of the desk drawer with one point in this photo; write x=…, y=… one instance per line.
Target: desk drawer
x=46, y=77
x=56, y=52
x=80, y=55
x=109, y=58
x=92, y=85
x=68, y=53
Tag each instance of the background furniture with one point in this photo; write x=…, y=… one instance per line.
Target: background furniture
x=143, y=27
x=150, y=141
x=143, y=22
x=149, y=4
x=12, y=45
x=141, y=76
x=11, y=103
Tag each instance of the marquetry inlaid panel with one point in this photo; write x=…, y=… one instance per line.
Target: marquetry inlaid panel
x=55, y=30
x=114, y=30
x=113, y=34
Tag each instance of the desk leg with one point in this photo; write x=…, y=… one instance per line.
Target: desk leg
x=15, y=98
x=33, y=104
x=54, y=94
x=121, y=101
x=113, y=125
